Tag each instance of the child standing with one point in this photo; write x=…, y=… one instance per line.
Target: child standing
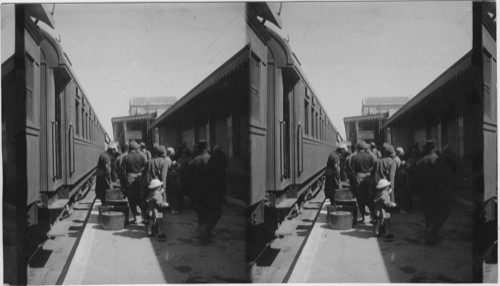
x=383, y=204
x=156, y=206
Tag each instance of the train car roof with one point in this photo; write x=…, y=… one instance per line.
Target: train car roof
x=42, y=12
x=292, y=61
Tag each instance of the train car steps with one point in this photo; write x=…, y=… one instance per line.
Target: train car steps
x=286, y=203
x=287, y=227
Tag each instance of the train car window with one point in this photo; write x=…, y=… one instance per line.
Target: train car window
x=30, y=81
x=86, y=125
x=312, y=122
x=322, y=129
x=83, y=122
x=255, y=74
x=487, y=78
x=317, y=125
x=306, y=116
x=77, y=116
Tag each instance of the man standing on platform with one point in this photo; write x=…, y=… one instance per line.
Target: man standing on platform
x=122, y=177
x=207, y=203
x=332, y=175
x=434, y=176
x=361, y=164
x=375, y=151
x=145, y=151
x=132, y=165
x=103, y=174
x=156, y=168
x=174, y=192
x=384, y=168
x=219, y=163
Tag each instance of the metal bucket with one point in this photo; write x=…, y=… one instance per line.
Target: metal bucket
x=111, y=220
x=121, y=209
x=352, y=208
x=340, y=220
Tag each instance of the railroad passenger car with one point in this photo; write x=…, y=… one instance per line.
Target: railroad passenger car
x=51, y=135
x=291, y=135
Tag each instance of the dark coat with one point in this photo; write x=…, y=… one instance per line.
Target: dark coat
x=332, y=174
x=133, y=162
x=384, y=168
x=362, y=162
x=200, y=177
x=103, y=174
x=156, y=168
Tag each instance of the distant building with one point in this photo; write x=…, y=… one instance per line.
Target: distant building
x=150, y=105
x=368, y=126
x=379, y=105
x=142, y=112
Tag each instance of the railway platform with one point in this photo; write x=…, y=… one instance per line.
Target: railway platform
x=356, y=255
x=128, y=256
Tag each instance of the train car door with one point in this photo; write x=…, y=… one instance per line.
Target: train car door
x=69, y=132
x=54, y=80
x=299, y=125
x=32, y=86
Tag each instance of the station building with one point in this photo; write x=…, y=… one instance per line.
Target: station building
x=458, y=109
x=216, y=111
x=142, y=112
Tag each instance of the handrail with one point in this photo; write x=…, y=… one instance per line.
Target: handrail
x=299, y=148
x=302, y=153
x=54, y=175
x=281, y=149
x=72, y=149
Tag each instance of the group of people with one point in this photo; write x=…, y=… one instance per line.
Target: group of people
x=382, y=181
x=156, y=183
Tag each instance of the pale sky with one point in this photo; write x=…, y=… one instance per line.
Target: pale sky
x=120, y=51
x=350, y=51
x=347, y=50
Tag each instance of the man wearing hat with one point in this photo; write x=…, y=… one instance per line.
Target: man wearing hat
x=385, y=168
x=174, y=193
x=403, y=196
x=361, y=164
x=122, y=177
x=132, y=165
x=332, y=175
x=207, y=202
x=434, y=177
x=103, y=173
x=156, y=168
x=374, y=151
x=145, y=151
